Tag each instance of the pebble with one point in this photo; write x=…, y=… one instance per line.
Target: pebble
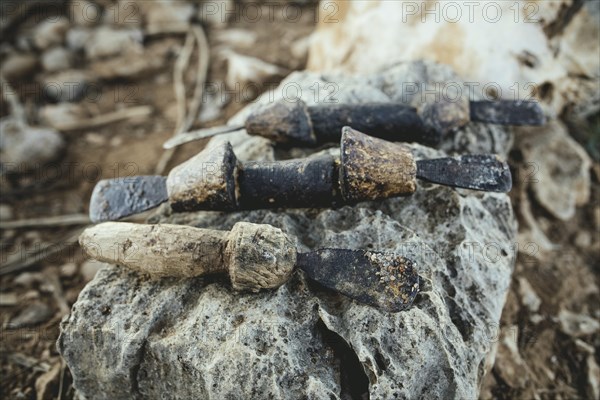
x=243, y=70
x=19, y=65
x=50, y=32
x=583, y=240
x=32, y=315
x=77, y=38
x=577, y=325
x=59, y=115
x=28, y=147
x=8, y=299
x=108, y=42
x=27, y=278
x=68, y=270
x=56, y=59
x=90, y=267
x=68, y=86
x=95, y=139
x=6, y=212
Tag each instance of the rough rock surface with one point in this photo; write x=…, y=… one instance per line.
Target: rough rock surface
x=131, y=337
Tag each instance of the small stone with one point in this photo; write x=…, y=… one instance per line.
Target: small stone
x=95, y=139
x=31, y=315
x=27, y=278
x=577, y=325
x=586, y=348
x=8, y=299
x=19, y=65
x=6, y=212
x=509, y=363
x=68, y=270
x=108, y=42
x=56, y=59
x=244, y=70
x=27, y=147
x=89, y=269
x=77, y=37
x=50, y=32
x=68, y=86
x=62, y=115
x=116, y=141
x=583, y=240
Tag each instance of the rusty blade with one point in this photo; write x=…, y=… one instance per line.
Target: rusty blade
x=476, y=171
x=191, y=136
x=507, y=112
x=383, y=280
x=113, y=199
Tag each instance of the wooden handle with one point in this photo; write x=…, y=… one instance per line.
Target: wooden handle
x=255, y=256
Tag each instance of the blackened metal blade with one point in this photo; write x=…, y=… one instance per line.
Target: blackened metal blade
x=113, y=199
x=506, y=112
x=191, y=136
x=384, y=280
x=476, y=171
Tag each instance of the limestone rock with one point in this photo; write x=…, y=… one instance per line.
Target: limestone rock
x=25, y=147
x=196, y=338
x=560, y=168
x=56, y=59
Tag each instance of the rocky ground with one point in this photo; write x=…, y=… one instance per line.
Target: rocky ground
x=103, y=89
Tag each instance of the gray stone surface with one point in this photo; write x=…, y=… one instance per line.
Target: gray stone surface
x=131, y=337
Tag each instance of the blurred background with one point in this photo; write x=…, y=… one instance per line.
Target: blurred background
x=91, y=89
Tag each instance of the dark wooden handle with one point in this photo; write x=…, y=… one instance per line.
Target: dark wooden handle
x=394, y=122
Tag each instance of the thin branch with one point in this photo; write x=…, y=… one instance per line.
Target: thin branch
x=61, y=220
x=105, y=119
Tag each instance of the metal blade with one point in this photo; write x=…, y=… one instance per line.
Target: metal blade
x=191, y=136
x=476, y=171
x=384, y=280
x=506, y=112
x=113, y=199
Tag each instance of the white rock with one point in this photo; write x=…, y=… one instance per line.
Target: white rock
x=69, y=86
x=61, y=115
x=56, y=59
x=577, y=325
x=281, y=343
x=243, y=71
x=77, y=37
x=28, y=278
x=68, y=270
x=558, y=168
x=89, y=269
x=28, y=147
x=50, y=32
x=6, y=212
x=107, y=42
